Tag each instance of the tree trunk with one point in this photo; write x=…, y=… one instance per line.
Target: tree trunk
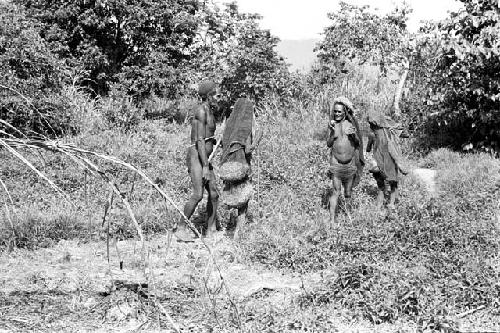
x=399, y=91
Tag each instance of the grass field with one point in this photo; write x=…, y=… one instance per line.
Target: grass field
x=432, y=265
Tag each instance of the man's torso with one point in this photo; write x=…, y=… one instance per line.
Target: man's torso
x=343, y=149
x=209, y=130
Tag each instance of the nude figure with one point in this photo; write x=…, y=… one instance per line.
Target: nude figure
x=199, y=168
x=344, y=142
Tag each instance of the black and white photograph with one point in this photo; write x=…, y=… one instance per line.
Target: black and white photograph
x=219, y=166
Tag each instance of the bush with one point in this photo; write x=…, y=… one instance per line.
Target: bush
x=34, y=230
x=119, y=110
x=85, y=111
x=30, y=95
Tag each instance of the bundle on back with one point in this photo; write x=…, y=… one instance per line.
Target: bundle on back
x=234, y=165
x=237, y=194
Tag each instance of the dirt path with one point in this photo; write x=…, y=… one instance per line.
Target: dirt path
x=50, y=289
x=426, y=177
x=72, y=288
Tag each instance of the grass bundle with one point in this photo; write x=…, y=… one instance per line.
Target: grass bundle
x=236, y=195
x=233, y=171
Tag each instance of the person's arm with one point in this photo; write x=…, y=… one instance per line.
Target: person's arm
x=369, y=145
x=201, y=119
x=252, y=143
x=331, y=135
x=404, y=134
x=353, y=135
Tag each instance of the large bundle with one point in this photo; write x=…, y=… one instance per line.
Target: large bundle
x=236, y=195
x=237, y=134
x=233, y=171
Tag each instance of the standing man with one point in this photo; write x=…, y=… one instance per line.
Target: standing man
x=345, y=162
x=199, y=168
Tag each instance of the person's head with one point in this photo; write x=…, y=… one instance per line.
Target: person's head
x=339, y=112
x=207, y=91
x=377, y=120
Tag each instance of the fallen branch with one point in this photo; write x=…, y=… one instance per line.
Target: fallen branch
x=79, y=156
x=471, y=311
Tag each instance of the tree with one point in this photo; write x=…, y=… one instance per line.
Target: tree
x=234, y=50
x=355, y=34
x=359, y=36
x=157, y=47
x=120, y=40
x=30, y=91
x=463, y=97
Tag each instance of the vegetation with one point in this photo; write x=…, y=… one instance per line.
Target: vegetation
x=461, y=105
x=109, y=82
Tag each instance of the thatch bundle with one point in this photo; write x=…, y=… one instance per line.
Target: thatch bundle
x=236, y=195
x=234, y=171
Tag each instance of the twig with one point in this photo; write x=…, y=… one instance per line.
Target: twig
x=212, y=155
x=78, y=155
x=107, y=207
x=89, y=220
x=30, y=103
x=471, y=311
x=7, y=212
x=169, y=318
x=12, y=128
x=40, y=174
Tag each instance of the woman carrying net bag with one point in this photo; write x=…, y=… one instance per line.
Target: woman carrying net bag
x=239, y=140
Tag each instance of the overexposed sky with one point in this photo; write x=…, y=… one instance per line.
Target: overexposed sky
x=303, y=19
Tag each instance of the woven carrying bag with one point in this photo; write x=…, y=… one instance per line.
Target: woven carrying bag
x=236, y=195
x=234, y=171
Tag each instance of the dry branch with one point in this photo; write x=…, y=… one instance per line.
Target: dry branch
x=79, y=155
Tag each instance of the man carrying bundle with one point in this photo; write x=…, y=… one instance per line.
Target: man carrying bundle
x=199, y=168
x=238, y=142
x=346, y=156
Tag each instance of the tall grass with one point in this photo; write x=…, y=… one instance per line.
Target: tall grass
x=432, y=256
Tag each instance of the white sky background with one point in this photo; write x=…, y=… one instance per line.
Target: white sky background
x=304, y=19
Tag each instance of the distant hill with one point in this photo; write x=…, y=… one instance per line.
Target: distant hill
x=299, y=53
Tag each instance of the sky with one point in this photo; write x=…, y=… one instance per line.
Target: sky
x=305, y=19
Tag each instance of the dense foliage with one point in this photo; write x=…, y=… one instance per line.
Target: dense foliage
x=159, y=48
x=140, y=44
x=361, y=36
x=32, y=77
x=464, y=99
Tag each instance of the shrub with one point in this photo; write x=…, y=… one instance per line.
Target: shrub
x=119, y=110
x=30, y=95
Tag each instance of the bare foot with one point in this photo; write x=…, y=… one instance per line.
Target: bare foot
x=210, y=232
x=404, y=171
x=184, y=235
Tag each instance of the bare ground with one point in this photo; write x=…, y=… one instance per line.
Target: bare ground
x=72, y=288
x=427, y=177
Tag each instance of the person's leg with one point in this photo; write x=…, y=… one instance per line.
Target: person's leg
x=334, y=198
x=348, y=185
x=183, y=232
x=393, y=194
x=241, y=220
x=381, y=190
x=212, y=204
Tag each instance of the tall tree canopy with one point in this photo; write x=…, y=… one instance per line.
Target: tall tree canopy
x=32, y=77
x=356, y=34
x=461, y=60
x=120, y=39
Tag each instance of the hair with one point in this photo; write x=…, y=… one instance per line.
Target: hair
x=205, y=88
